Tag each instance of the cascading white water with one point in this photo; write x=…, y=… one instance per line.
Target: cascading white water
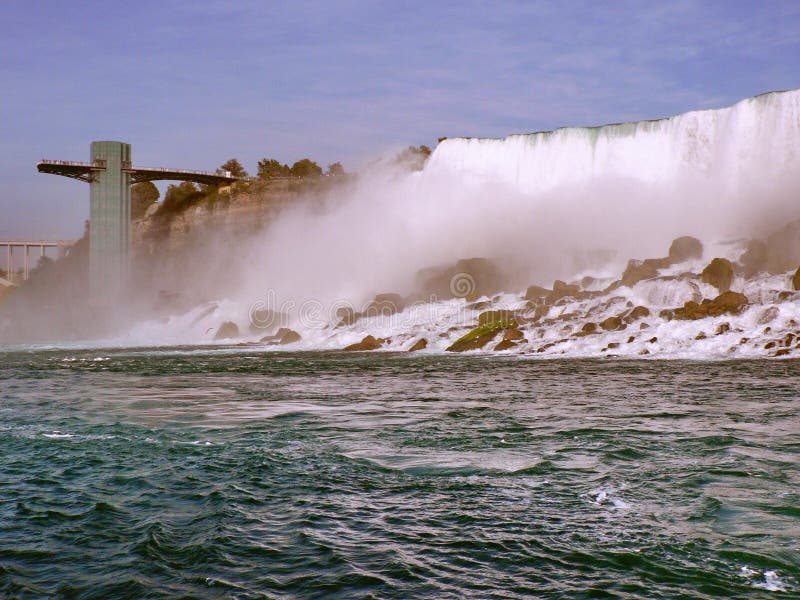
x=756, y=137
x=538, y=203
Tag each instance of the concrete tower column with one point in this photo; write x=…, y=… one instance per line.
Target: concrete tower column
x=111, y=220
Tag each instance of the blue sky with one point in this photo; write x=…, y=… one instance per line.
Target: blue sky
x=193, y=83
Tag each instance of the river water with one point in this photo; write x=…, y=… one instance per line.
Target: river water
x=229, y=473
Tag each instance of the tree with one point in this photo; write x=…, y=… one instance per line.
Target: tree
x=142, y=196
x=235, y=167
x=306, y=168
x=336, y=169
x=180, y=197
x=269, y=168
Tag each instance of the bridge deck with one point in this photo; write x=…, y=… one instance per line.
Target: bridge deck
x=83, y=172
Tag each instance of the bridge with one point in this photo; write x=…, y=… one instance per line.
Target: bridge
x=61, y=246
x=110, y=175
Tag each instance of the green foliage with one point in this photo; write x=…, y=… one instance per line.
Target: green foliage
x=180, y=197
x=269, y=168
x=336, y=169
x=306, y=168
x=142, y=196
x=235, y=167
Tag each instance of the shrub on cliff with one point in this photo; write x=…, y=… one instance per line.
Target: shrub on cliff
x=142, y=196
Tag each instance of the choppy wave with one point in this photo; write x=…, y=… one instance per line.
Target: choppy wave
x=362, y=476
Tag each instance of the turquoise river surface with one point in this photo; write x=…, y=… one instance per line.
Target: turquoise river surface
x=232, y=473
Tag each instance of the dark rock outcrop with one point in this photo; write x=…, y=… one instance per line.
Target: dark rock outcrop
x=282, y=337
x=612, y=324
x=754, y=258
x=719, y=273
x=368, y=343
x=726, y=303
x=469, y=278
x=562, y=290
x=420, y=344
x=536, y=292
x=226, y=331
x=796, y=280
x=685, y=248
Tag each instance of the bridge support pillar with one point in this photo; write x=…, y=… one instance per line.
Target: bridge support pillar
x=110, y=220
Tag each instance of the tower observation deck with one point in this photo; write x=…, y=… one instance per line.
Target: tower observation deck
x=110, y=175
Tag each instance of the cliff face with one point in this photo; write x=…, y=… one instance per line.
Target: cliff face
x=178, y=251
x=235, y=212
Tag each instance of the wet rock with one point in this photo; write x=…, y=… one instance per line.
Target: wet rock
x=540, y=312
x=667, y=314
x=782, y=352
x=796, y=280
x=227, y=330
x=368, y=343
x=730, y=301
x=477, y=338
x=347, y=316
x=722, y=328
x=644, y=326
x=536, y=292
x=630, y=339
x=725, y=303
x=644, y=351
x=754, y=258
x=505, y=345
x=469, y=278
x=420, y=344
x=282, y=337
x=653, y=340
x=385, y=305
x=685, y=248
x=612, y=345
x=479, y=305
x=562, y=290
x=512, y=334
x=612, y=324
x=768, y=315
x=587, y=329
x=701, y=336
x=637, y=271
x=770, y=345
x=719, y=273
x=636, y=313
x=506, y=318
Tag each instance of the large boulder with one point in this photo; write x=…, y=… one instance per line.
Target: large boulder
x=754, y=258
x=227, y=330
x=685, y=248
x=420, y=344
x=477, y=338
x=783, y=249
x=535, y=293
x=562, y=290
x=283, y=336
x=385, y=304
x=469, y=278
x=727, y=303
x=637, y=271
x=796, y=280
x=506, y=318
x=719, y=273
x=368, y=343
